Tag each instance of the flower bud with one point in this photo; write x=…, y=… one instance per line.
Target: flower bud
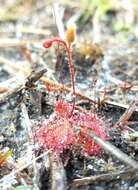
x=71, y=33
x=48, y=43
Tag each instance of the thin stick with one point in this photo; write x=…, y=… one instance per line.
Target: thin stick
x=125, y=106
x=107, y=146
x=13, y=173
x=125, y=175
x=27, y=125
x=58, y=174
x=127, y=114
x=57, y=86
x=62, y=87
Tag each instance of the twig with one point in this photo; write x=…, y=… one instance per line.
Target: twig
x=13, y=173
x=127, y=114
x=27, y=125
x=5, y=96
x=25, y=83
x=57, y=86
x=13, y=85
x=33, y=77
x=125, y=175
x=57, y=173
x=107, y=146
x=125, y=106
x=60, y=87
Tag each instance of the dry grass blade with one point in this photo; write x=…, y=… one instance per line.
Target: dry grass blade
x=58, y=20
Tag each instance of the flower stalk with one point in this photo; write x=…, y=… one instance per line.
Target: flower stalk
x=70, y=37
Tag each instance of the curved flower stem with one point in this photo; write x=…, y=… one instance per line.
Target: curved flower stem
x=48, y=43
